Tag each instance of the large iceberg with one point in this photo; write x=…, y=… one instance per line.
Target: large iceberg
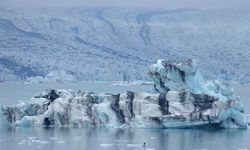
x=182, y=100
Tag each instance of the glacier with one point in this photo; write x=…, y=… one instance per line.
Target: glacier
x=182, y=99
x=59, y=76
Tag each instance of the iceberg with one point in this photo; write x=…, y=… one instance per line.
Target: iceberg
x=182, y=99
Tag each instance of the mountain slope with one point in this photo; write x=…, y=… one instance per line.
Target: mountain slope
x=119, y=44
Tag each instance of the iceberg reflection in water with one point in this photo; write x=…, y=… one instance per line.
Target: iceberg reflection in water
x=122, y=139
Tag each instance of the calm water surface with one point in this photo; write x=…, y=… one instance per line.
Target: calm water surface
x=114, y=139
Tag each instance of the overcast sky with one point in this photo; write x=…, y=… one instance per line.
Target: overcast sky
x=128, y=3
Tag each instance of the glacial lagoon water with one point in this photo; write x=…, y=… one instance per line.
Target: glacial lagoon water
x=114, y=139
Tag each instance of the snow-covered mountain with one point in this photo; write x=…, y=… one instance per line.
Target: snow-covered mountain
x=119, y=43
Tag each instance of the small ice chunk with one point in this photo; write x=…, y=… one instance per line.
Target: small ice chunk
x=44, y=142
x=53, y=138
x=60, y=142
x=106, y=145
x=32, y=138
x=134, y=145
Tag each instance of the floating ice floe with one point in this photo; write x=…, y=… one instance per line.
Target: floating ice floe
x=31, y=140
x=131, y=83
x=182, y=100
x=107, y=145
